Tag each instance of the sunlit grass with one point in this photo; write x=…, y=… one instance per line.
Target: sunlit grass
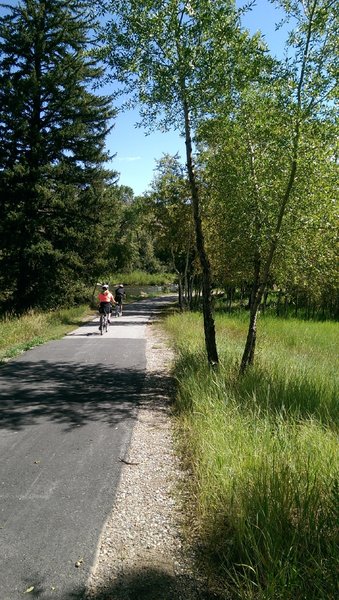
x=263, y=452
x=18, y=334
x=140, y=278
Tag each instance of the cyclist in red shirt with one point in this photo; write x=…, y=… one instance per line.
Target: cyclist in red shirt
x=106, y=301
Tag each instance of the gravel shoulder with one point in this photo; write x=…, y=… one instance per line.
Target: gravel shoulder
x=142, y=553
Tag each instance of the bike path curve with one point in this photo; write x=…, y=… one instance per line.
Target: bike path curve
x=67, y=410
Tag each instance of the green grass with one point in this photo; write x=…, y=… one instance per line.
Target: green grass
x=263, y=452
x=18, y=334
x=140, y=278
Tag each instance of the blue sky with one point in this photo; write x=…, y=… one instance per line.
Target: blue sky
x=136, y=153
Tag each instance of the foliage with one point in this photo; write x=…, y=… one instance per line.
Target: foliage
x=270, y=164
x=135, y=246
x=152, y=47
x=142, y=278
x=245, y=167
x=170, y=203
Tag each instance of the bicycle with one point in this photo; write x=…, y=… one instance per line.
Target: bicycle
x=118, y=309
x=103, y=322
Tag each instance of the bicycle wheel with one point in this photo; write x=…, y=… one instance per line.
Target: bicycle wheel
x=101, y=324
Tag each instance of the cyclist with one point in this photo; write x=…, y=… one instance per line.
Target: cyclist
x=106, y=300
x=118, y=297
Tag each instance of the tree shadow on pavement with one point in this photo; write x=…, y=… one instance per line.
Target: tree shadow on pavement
x=67, y=393
x=71, y=394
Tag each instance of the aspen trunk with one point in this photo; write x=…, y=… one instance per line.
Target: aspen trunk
x=180, y=298
x=209, y=327
x=248, y=355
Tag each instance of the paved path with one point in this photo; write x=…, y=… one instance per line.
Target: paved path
x=66, y=415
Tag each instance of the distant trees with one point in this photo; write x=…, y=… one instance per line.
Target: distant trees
x=133, y=242
x=54, y=188
x=173, y=229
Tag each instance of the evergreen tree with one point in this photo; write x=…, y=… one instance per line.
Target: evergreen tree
x=53, y=127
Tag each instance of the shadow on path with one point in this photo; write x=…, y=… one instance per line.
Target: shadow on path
x=140, y=584
x=70, y=394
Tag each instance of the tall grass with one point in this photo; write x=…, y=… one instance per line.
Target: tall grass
x=263, y=452
x=18, y=334
x=140, y=278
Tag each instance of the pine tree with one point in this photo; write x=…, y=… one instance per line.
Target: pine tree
x=52, y=151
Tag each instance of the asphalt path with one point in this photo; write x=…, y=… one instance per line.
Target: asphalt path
x=67, y=410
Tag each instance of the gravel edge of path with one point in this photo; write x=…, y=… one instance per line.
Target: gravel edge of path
x=143, y=553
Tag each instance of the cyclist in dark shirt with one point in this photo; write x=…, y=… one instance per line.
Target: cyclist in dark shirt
x=119, y=297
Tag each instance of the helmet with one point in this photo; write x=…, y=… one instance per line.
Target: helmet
x=105, y=286
x=121, y=285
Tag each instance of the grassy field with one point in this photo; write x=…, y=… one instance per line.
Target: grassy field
x=140, y=278
x=18, y=334
x=263, y=452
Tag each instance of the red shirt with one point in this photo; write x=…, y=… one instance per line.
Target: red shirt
x=106, y=297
